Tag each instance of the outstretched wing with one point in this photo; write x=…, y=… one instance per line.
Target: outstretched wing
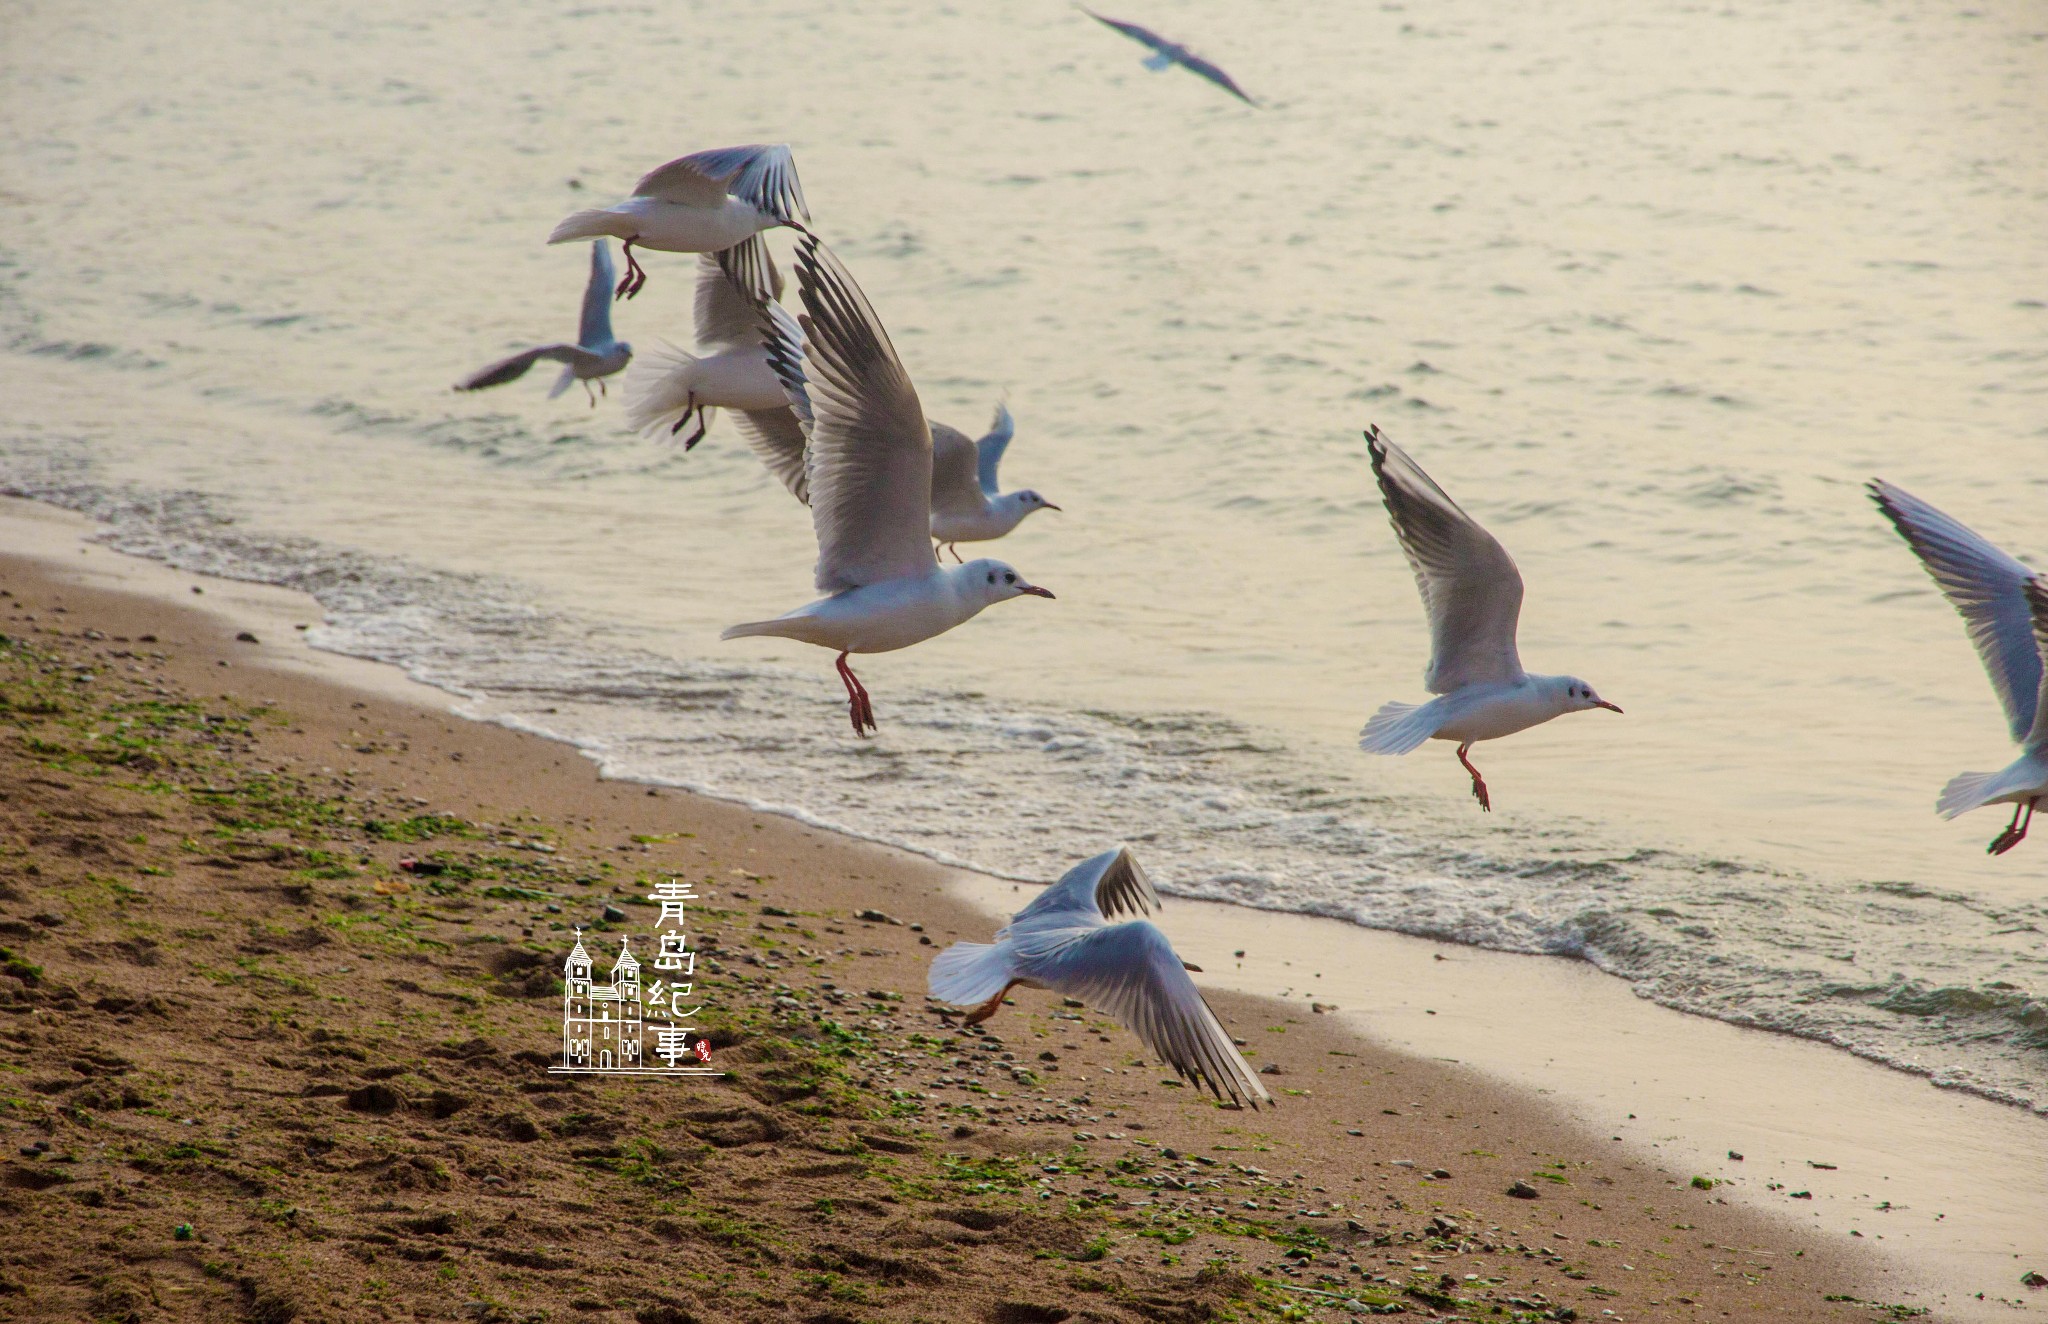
x=955, y=490
x=513, y=368
x=763, y=174
x=778, y=439
x=2037, y=602
x=1211, y=71
x=1142, y=35
x=594, y=331
x=989, y=450
x=733, y=287
x=1105, y=886
x=1987, y=587
x=1130, y=972
x=1470, y=587
x=870, y=449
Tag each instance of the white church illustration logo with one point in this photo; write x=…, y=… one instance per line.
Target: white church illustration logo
x=619, y=1027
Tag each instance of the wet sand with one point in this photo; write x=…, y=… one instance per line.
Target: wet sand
x=1074, y=1148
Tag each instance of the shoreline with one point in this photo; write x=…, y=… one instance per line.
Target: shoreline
x=1382, y=1015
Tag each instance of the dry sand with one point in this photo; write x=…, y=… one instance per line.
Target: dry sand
x=277, y=1076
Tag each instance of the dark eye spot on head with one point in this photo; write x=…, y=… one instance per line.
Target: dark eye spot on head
x=991, y=576
x=1009, y=579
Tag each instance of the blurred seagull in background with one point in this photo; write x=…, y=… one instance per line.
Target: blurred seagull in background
x=670, y=388
x=1166, y=54
x=968, y=502
x=1473, y=595
x=702, y=203
x=869, y=468
x=595, y=355
x=1064, y=941
x=2004, y=606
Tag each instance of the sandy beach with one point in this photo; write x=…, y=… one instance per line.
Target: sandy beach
x=259, y=1068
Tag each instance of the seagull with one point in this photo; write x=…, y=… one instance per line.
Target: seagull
x=869, y=468
x=1473, y=595
x=968, y=504
x=595, y=355
x=1166, y=54
x=2005, y=607
x=702, y=203
x=1063, y=941
x=670, y=388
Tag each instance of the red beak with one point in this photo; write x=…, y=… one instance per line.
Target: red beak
x=1602, y=703
x=1035, y=591
x=1050, y=506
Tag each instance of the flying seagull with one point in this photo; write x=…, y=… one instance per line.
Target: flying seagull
x=702, y=203
x=869, y=468
x=1166, y=54
x=595, y=355
x=2004, y=606
x=1064, y=941
x=968, y=503
x=670, y=388
x=1473, y=596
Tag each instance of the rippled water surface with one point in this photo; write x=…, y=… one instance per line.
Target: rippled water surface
x=1651, y=289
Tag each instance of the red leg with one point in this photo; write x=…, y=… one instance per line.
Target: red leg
x=635, y=277
x=2015, y=831
x=954, y=548
x=858, y=707
x=1478, y=782
x=988, y=1009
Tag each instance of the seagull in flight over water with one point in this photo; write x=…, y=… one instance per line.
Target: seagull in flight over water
x=2004, y=606
x=968, y=501
x=869, y=470
x=1064, y=941
x=595, y=355
x=1166, y=54
x=1473, y=595
x=702, y=203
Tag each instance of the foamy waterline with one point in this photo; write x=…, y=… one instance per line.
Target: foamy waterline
x=1922, y=979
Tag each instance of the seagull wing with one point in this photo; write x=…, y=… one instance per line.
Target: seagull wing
x=778, y=439
x=732, y=288
x=2037, y=602
x=870, y=451
x=513, y=368
x=1130, y=972
x=989, y=450
x=1209, y=70
x=595, y=330
x=783, y=339
x=955, y=490
x=1104, y=886
x=1470, y=587
x=763, y=174
x=1988, y=587
x=1142, y=35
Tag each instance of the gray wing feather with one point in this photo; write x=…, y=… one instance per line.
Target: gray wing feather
x=783, y=339
x=989, y=450
x=778, y=438
x=1130, y=972
x=870, y=450
x=1987, y=587
x=595, y=330
x=763, y=174
x=954, y=488
x=1108, y=885
x=1470, y=587
x=513, y=368
x=733, y=289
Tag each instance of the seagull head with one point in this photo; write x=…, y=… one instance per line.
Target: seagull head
x=1028, y=501
x=1579, y=696
x=998, y=582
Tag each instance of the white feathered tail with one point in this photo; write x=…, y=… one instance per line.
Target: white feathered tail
x=1969, y=790
x=968, y=973
x=1397, y=728
x=596, y=223
x=657, y=388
